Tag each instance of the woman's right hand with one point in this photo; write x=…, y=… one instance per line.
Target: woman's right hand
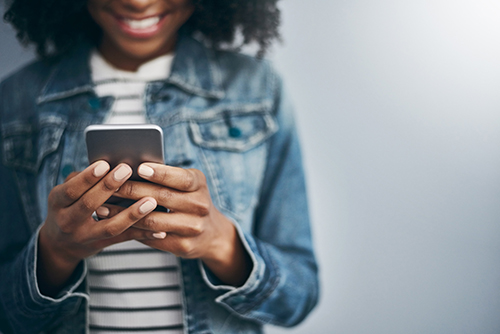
x=70, y=233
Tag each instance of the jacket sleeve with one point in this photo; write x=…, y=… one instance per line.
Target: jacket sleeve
x=23, y=309
x=283, y=285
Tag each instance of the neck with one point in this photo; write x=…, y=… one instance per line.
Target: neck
x=129, y=61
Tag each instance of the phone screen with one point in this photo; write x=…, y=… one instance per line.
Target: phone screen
x=130, y=144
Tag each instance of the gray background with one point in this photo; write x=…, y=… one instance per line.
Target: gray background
x=398, y=108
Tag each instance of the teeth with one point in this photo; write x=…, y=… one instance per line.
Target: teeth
x=142, y=24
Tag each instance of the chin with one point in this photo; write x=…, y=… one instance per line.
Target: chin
x=143, y=51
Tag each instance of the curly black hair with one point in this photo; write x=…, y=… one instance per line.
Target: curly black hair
x=56, y=26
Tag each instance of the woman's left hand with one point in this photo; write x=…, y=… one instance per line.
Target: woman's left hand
x=193, y=228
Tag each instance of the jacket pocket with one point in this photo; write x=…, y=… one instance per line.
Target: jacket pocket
x=26, y=144
x=232, y=130
x=233, y=154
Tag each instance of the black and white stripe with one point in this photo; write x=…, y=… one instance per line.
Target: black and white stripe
x=133, y=288
x=128, y=107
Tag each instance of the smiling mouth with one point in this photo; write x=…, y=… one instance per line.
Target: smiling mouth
x=143, y=24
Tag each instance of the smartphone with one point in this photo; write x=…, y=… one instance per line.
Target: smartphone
x=132, y=144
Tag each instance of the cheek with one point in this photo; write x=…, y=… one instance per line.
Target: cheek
x=180, y=18
x=185, y=10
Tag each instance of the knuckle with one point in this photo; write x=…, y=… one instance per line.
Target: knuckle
x=110, y=231
x=87, y=179
x=150, y=223
x=189, y=179
x=162, y=175
x=107, y=185
x=70, y=193
x=203, y=208
x=65, y=228
x=164, y=195
x=186, y=248
x=200, y=176
x=196, y=228
x=85, y=204
x=128, y=189
x=132, y=216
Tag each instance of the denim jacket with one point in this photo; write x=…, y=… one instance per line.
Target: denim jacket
x=223, y=113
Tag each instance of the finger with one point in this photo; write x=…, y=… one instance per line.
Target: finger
x=175, y=244
x=176, y=223
x=172, y=177
x=129, y=234
x=100, y=192
x=108, y=210
x=71, y=175
x=112, y=227
x=197, y=203
x=78, y=184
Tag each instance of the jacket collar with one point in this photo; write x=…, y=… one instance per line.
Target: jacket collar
x=194, y=70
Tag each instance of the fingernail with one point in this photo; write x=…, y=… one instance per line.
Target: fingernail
x=122, y=172
x=160, y=235
x=102, y=211
x=145, y=171
x=147, y=206
x=101, y=168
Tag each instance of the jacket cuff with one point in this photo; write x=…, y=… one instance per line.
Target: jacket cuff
x=262, y=280
x=35, y=301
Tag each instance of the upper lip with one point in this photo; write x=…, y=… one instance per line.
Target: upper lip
x=137, y=18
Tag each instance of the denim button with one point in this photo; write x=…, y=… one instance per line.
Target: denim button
x=165, y=97
x=94, y=103
x=234, y=132
x=66, y=170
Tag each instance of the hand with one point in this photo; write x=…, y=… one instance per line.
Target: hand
x=194, y=227
x=70, y=233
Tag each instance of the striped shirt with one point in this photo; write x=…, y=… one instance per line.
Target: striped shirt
x=133, y=287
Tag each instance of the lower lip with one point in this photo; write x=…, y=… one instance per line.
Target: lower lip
x=142, y=33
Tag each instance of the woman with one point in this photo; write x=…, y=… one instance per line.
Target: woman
x=233, y=179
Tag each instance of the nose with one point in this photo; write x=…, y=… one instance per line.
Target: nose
x=137, y=5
